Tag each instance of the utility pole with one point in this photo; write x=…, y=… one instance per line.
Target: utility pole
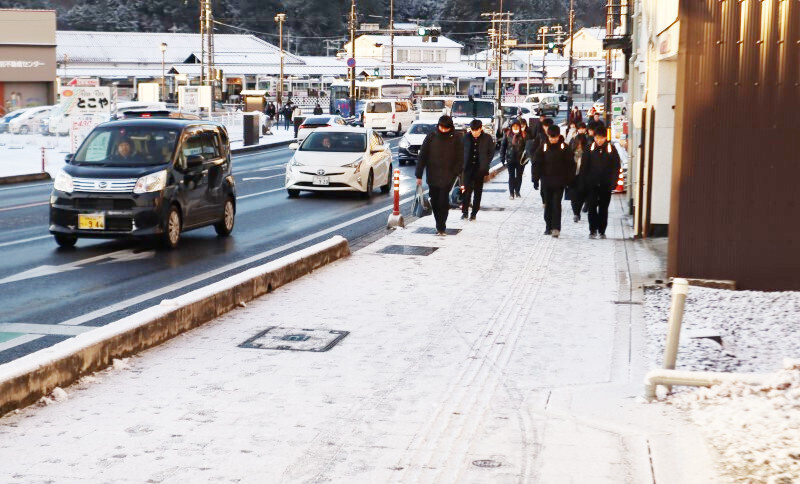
x=496, y=41
x=280, y=18
x=210, y=39
x=609, y=33
x=353, y=56
x=571, y=41
x=543, y=35
x=391, y=39
x=203, y=42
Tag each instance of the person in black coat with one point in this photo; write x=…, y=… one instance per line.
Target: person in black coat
x=511, y=150
x=317, y=109
x=599, y=174
x=578, y=145
x=553, y=168
x=441, y=156
x=478, y=154
x=271, y=110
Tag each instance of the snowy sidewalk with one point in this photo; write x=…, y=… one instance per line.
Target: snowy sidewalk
x=503, y=356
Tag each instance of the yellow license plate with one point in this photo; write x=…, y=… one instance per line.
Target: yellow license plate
x=94, y=221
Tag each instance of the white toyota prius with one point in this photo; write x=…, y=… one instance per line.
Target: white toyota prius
x=340, y=159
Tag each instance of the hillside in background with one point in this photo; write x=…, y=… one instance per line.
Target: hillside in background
x=311, y=25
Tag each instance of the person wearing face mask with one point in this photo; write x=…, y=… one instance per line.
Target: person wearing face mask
x=511, y=151
x=478, y=154
x=599, y=173
x=440, y=156
x=578, y=144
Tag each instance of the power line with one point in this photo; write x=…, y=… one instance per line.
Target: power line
x=274, y=34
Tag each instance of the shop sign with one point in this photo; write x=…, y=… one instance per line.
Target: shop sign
x=85, y=100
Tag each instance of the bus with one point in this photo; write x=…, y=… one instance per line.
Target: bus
x=376, y=89
x=294, y=87
x=425, y=87
x=516, y=91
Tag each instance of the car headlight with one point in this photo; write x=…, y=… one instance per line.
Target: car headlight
x=294, y=162
x=63, y=182
x=404, y=143
x=153, y=182
x=356, y=164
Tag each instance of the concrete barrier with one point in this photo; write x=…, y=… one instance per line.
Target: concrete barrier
x=8, y=180
x=25, y=380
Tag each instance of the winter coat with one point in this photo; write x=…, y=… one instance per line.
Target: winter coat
x=317, y=110
x=441, y=154
x=579, y=144
x=512, y=148
x=574, y=117
x=600, y=166
x=553, y=164
x=485, y=153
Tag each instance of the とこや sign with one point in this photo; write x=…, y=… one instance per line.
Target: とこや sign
x=86, y=100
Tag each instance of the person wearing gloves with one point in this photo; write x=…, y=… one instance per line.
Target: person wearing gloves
x=553, y=168
x=441, y=157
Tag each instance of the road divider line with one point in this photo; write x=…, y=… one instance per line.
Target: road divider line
x=22, y=241
x=29, y=205
x=19, y=340
x=227, y=268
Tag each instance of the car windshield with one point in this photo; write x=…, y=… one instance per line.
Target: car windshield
x=432, y=105
x=380, y=107
x=335, y=142
x=421, y=128
x=127, y=146
x=317, y=120
x=472, y=109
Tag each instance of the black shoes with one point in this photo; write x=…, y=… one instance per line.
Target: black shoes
x=548, y=232
x=463, y=216
x=576, y=218
x=472, y=217
x=593, y=235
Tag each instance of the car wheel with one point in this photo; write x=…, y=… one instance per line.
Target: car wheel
x=65, y=241
x=388, y=186
x=399, y=130
x=293, y=193
x=172, y=228
x=370, y=186
x=225, y=226
x=24, y=130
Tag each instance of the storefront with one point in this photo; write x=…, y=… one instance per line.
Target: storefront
x=27, y=58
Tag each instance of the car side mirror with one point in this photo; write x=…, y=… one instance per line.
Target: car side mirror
x=68, y=158
x=294, y=146
x=194, y=161
x=378, y=149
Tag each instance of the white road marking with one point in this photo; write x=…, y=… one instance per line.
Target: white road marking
x=23, y=187
x=260, y=193
x=27, y=205
x=22, y=241
x=43, y=329
x=19, y=340
x=207, y=275
x=261, y=177
x=47, y=270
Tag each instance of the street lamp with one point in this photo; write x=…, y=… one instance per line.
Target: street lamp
x=163, y=75
x=280, y=18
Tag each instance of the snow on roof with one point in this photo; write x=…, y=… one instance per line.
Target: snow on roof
x=408, y=41
x=144, y=47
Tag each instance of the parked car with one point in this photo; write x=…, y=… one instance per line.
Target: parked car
x=619, y=104
x=340, y=158
x=512, y=111
x=465, y=110
x=384, y=115
x=547, y=103
x=5, y=120
x=145, y=177
x=29, y=121
x=320, y=121
x=408, y=147
x=433, y=107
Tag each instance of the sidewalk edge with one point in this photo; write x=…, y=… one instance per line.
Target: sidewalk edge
x=10, y=180
x=24, y=381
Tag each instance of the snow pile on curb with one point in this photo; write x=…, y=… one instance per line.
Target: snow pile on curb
x=754, y=428
x=758, y=329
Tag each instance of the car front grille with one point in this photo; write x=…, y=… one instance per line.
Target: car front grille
x=102, y=203
x=98, y=185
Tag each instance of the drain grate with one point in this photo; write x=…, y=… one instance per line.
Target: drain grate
x=432, y=231
x=492, y=209
x=293, y=339
x=408, y=250
x=486, y=463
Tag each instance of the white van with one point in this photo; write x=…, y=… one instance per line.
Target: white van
x=434, y=107
x=619, y=104
x=385, y=115
x=547, y=103
x=465, y=110
x=29, y=121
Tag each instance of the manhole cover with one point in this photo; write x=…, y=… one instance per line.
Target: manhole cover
x=431, y=230
x=408, y=250
x=486, y=463
x=293, y=339
x=492, y=209
x=495, y=190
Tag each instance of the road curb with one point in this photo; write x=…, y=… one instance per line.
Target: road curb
x=494, y=171
x=250, y=149
x=26, y=380
x=9, y=180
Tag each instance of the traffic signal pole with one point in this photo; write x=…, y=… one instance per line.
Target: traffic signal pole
x=353, y=55
x=571, y=41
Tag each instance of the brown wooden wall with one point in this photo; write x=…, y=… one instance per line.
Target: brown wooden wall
x=735, y=207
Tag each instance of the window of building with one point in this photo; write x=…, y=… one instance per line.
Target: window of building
x=402, y=55
x=415, y=56
x=441, y=55
x=427, y=55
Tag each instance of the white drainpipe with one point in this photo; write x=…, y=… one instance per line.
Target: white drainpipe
x=695, y=378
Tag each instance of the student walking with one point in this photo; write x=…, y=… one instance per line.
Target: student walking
x=511, y=151
x=297, y=118
x=578, y=144
x=599, y=173
x=553, y=168
x=478, y=154
x=441, y=158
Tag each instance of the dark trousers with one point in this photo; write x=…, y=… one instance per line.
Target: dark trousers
x=440, y=203
x=515, y=172
x=598, y=199
x=576, y=197
x=552, y=196
x=473, y=184
x=286, y=121
x=297, y=123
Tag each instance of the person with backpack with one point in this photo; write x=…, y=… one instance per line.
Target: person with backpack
x=553, y=168
x=441, y=157
x=599, y=173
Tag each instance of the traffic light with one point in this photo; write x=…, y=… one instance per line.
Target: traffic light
x=550, y=47
x=435, y=33
x=376, y=72
x=561, y=49
x=429, y=34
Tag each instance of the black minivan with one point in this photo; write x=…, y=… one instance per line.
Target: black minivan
x=151, y=177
